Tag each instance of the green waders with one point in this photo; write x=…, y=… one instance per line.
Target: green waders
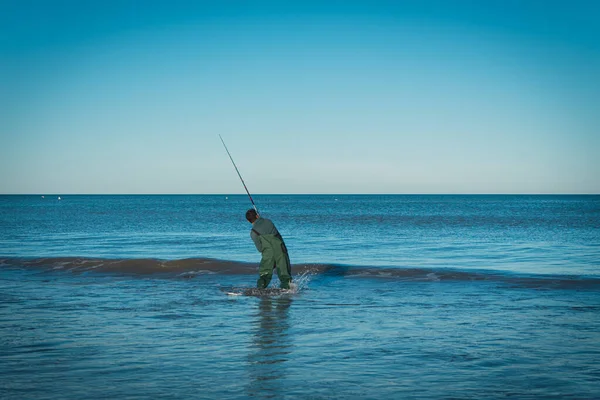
x=274, y=255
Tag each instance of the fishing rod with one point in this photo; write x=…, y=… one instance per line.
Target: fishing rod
x=240, y=175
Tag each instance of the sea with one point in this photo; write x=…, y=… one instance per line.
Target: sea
x=395, y=297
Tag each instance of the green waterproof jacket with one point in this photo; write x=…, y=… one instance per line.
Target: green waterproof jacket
x=262, y=233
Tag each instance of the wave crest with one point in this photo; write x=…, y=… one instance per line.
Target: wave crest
x=193, y=267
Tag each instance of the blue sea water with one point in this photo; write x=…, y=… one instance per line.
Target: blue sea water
x=398, y=297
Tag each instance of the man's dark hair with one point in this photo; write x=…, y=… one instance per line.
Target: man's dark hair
x=251, y=215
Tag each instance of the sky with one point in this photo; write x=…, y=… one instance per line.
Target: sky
x=333, y=97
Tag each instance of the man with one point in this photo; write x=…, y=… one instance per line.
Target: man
x=270, y=244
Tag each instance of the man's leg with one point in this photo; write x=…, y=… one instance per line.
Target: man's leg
x=263, y=281
x=283, y=270
x=265, y=271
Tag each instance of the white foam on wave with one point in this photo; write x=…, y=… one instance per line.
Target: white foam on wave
x=63, y=265
x=433, y=277
x=191, y=274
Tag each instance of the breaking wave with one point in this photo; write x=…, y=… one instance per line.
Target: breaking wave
x=193, y=267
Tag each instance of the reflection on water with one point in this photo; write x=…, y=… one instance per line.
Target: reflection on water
x=270, y=347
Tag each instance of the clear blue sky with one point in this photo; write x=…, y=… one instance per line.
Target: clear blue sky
x=311, y=97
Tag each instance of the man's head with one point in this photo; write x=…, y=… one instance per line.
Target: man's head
x=251, y=215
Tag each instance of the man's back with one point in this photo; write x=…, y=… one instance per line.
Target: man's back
x=260, y=227
x=264, y=226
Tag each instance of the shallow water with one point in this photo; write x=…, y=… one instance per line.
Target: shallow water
x=66, y=335
x=499, y=297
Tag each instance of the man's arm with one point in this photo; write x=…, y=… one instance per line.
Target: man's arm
x=256, y=241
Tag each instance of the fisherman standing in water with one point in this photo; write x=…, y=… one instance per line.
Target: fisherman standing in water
x=270, y=244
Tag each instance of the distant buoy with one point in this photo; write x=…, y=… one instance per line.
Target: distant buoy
x=59, y=197
x=226, y=198
x=43, y=197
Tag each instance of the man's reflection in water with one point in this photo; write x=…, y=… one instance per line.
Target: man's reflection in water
x=270, y=347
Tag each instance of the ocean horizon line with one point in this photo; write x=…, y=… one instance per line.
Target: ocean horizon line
x=297, y=194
